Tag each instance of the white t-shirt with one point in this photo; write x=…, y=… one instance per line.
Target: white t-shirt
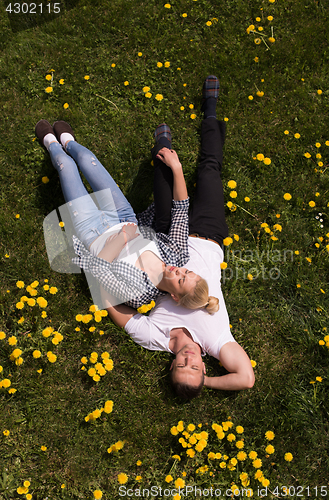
x=210, y=331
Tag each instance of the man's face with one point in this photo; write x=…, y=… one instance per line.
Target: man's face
x=180, y=280
x=188, y=366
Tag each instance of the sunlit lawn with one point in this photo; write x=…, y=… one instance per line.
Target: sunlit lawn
x=84, y=410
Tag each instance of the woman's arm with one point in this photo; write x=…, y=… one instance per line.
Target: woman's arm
x=170, y=158
x=119, y=314
x=114, y=244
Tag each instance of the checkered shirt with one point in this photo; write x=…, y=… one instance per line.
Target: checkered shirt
x=128, y=283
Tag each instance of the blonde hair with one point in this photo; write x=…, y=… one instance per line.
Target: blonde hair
x=200, y=298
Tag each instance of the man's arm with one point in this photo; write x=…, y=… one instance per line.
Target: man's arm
x=119, y=314
x=236, y=361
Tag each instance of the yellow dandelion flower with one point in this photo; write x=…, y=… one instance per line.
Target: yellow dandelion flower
x=267, y=161
x=167, y=64
x=86, y=77
x=61, y=81
x=287, y=196
x=250, y=277
x=257, y=41
x=98, y=494
x=269, y=435
x=108, y=407
x=208, y=23
x=122, y=478
x=48, y=77
x=319, y=91
x=65, y=105
x=231, y=184
x=257, y=463
x=288, y=457
x=311, y=204
x=269, y=449
x=159, y=64
x=271, y=39
x=126, y=83
x=227, y=241
x=297, y=135
x=49, y=90
x=169, y=478
x=250, y=97
x=184, y=15
x=159, y=97
x=140, y=54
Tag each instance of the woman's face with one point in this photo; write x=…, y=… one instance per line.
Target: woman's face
x=180, y=280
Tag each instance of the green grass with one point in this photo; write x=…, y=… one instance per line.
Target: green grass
x=279, y=324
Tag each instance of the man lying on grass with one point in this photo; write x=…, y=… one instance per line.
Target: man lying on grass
x=170, y=327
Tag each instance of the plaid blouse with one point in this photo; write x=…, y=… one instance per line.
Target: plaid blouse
x=125, y=281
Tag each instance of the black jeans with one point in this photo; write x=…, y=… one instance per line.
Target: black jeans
x=207, y=215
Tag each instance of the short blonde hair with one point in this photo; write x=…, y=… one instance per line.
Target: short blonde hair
x=199, y=298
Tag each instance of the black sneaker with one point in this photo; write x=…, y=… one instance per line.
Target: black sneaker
x=43, y=128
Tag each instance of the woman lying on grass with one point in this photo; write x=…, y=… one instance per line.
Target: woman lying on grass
x=189, y=335
x=133, y=263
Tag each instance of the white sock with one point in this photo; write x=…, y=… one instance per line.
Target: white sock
x=65, y=137
x=48, y=139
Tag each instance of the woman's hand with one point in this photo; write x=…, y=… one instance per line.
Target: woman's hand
x=116, y=242
x=170, y=158
x=129, y=232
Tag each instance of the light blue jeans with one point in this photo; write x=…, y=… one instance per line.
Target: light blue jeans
x=90, y=218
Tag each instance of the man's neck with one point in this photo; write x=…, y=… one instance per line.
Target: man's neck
x=178, y=338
